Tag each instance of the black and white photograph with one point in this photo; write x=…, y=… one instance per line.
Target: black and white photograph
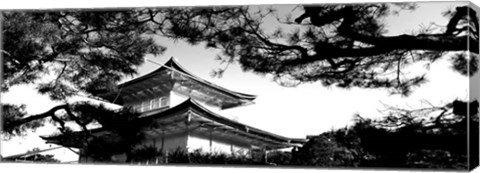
x=309, y=86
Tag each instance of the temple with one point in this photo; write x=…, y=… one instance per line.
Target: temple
x=180, y=103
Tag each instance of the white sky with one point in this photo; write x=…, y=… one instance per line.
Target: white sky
x=308, y=109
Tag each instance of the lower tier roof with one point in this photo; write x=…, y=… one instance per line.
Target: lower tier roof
x=191, y=115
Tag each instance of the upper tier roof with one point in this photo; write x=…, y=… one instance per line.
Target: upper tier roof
x=187, y=82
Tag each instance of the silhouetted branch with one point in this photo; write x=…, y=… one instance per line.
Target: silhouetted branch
x=50, y=112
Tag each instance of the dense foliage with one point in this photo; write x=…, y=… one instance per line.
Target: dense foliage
x=343, y=45
x=121, y=130
x=82, y=52
x=12, y=113
x=154, y=155
x=406, y=142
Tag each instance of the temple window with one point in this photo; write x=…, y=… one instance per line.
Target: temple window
x=137, y=107
x=155, y=103
x=164, y=101
x=151, y=104
x=146, y=106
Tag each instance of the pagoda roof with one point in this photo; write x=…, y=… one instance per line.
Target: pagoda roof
x=225, y=98
x=199, y=117
x=172, y=64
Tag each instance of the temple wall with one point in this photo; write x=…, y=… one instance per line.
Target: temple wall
x=172, y=142
x=218, y=144
x=195, y=140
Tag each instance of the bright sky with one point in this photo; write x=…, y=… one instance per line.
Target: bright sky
x=308, y=109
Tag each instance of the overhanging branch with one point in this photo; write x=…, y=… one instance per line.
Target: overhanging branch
x=384, y=44
x=20, y=122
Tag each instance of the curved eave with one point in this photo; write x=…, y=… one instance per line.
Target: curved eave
x=175, y=65
x=172, y=63
x=249, y=129
x=192, y=104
